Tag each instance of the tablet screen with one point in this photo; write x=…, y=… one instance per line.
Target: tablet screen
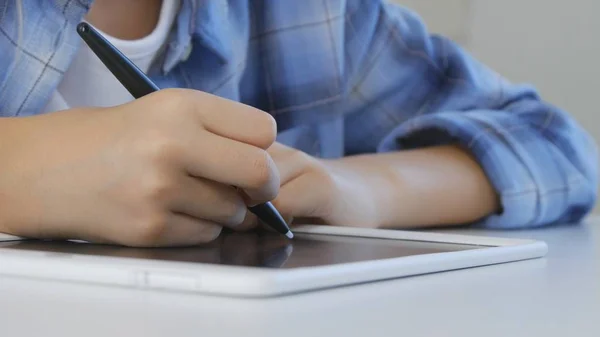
x=258, y=249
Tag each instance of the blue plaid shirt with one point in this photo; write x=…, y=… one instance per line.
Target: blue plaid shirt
x=341, y=77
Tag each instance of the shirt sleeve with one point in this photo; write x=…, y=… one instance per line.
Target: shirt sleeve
x=413, y=89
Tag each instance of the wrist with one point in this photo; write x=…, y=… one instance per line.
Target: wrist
x=375, y=187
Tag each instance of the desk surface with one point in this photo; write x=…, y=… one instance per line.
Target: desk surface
x=555, y=296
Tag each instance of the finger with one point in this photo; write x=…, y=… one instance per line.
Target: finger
x=233, y=163
x=297, y=200
x=178, y=230
x=236, y=121
x=290, y=163
x=250, y=222
x=278, y=149
x=205, y=199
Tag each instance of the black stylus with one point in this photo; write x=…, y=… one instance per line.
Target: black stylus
x=138, y=84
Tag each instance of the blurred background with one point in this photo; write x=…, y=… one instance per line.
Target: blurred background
x=552, y=44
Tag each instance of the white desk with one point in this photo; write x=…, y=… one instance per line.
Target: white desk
x=555, y=296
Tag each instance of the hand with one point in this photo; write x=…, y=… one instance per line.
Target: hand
x=318, y=191
x=154, y=172
x=404, y=189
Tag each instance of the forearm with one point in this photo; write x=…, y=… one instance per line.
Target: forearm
x=435, y=186
x=9, y=143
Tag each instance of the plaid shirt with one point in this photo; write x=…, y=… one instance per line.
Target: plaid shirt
x=341, y=77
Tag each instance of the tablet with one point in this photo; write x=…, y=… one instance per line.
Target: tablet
x=261, y=264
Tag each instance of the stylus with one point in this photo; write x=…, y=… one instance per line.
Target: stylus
x=139, y=85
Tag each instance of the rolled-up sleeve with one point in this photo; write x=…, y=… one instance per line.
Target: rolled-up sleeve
x=416, y=90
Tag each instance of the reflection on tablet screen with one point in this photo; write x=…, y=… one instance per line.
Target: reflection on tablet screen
x=257, y=249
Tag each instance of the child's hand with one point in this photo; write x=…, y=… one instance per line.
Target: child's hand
x=433, y=186
x=157, y=171
x=319, y=191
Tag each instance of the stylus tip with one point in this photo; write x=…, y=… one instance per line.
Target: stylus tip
x=289, y=235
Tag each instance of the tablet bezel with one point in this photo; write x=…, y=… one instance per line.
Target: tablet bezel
x=242, y=281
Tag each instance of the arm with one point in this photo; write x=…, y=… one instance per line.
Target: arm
x=435, y=186
x=417, y=92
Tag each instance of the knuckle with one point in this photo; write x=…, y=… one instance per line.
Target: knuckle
x=165, y=104
x=173, y=107
x=172, y=97
x=148, y=231
x=156, y=188
x=160, y=148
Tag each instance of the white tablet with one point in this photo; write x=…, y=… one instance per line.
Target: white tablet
x=264, y=264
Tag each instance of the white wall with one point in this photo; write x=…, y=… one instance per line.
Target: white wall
x=552, y=44
x=450, y=17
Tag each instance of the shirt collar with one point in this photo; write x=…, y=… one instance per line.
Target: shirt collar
x=73, y=10
x=205, y=22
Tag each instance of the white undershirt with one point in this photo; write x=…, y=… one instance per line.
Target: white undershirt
x=87, y=82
